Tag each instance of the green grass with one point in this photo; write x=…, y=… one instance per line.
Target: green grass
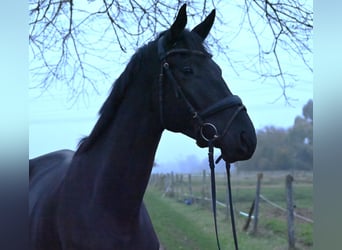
x=176, y=224
x=305, y=234
x=191, y=227
x=276, y=226
x=179, y=226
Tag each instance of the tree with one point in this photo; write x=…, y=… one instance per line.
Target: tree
x=285, y=149
x=308, y=111
x=301, y=136
x=75, y=43
x=272, y=152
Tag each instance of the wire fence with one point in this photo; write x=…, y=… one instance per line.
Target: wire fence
x=275, y=200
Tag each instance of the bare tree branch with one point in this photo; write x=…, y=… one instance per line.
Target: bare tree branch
x=290, y=24
x=75, y=44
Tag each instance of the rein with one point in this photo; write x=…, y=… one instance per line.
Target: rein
x=223, y=104
x=213, y=195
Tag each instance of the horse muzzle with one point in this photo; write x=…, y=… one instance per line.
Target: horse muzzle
x=236, y=141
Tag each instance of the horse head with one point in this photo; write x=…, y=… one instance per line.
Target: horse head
x=194, y=99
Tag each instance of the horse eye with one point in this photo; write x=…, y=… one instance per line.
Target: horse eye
x=187, y=70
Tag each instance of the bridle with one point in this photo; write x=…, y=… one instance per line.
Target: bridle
x=226, y=103
x=199, y=117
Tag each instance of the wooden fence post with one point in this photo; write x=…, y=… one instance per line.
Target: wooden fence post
x=181, y=186
x=204, y=186
x=172, y=186
x=190, y=187
x=290, y=212
x=166, y=183
x=256, y=204
x=177, y=188
x=251, y=210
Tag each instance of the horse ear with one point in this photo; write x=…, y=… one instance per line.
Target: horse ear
x=178, y=26
x=204, y=27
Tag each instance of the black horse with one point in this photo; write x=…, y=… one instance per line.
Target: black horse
x=93, y=198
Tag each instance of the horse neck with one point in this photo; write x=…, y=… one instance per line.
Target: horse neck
x=120, y=161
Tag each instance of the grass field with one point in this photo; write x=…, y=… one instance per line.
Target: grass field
x=181, y=226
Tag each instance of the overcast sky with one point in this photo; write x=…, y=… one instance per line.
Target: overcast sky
x=56, y=123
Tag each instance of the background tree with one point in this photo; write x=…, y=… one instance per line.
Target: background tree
x=308, y=111
x=76, y=43
x=285, y=149
x=301, y=137
x=272, y=152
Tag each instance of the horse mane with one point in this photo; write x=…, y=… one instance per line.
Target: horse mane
x=109, y=109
